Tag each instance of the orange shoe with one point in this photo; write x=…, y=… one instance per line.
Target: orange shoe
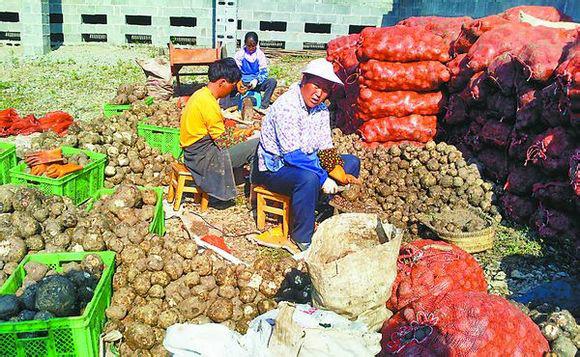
x=273, y=238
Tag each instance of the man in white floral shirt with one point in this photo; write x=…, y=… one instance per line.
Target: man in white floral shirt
x=296, y=155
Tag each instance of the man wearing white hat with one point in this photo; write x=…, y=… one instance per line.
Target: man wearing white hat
x=296, y=155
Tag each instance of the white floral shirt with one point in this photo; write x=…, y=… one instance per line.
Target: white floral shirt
x=290, y=125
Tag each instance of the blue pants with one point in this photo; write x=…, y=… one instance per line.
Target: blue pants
x=304, y=188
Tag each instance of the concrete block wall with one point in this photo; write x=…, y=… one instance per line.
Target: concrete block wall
x=67, y=25
x=339, y=14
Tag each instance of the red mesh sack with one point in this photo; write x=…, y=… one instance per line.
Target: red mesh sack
x=342, y=53
x=501, y=107
x=432, y=268
x=345, y=111
x=551, y=150
x=446, y=27
x=494, y=163
x=496, y=133
x=462, y=323
x=373, y=104
x=473, y=136
x=529, y=107
x=519, y=144
x=24, y=126
x=574, y=171
x=552, y=223
x=569, y=69
x=414, y=128
x=518, y=209
x=555, y=104
x=471, y=31
x=401, y=44
x=556, y=194
x=502, y=72
x=547, y=13
x=521, y=179
x=478, y=89
x=540, y=58
x=510, y=37
x=456, y=110
x=391, y=76
x=460, y=73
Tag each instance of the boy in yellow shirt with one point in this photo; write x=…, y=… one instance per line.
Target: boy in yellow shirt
x=209, y=152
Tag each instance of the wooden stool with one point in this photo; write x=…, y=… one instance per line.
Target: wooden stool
x=180, y=176
x=262, y=198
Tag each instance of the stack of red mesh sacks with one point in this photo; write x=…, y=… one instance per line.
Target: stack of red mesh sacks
x=400, y=73
x=513, y=88
x=342, y=53
x=442, y=309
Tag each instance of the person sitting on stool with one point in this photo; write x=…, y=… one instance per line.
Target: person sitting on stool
x=296, y=156
x=212, y=150
x=253, y=64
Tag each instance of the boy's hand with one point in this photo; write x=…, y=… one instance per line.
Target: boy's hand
x=253, y=83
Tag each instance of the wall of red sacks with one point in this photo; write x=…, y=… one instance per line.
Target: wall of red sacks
x=506, y=93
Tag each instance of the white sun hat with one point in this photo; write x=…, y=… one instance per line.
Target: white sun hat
x=320, y=67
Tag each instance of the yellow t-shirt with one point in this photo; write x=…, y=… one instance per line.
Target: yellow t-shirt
x=201, y=116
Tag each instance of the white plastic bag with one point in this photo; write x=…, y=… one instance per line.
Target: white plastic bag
x=207, y=340
x=352, y=262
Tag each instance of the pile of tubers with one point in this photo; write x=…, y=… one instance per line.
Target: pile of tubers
x=32, y=222
x=163, y=281
x=131, y=160
x=129, y=93
x=160, y=113
x=404, y=181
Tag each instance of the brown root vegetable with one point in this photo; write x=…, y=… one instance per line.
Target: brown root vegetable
x=12, y=249
x=201, y=264
x=266, y=305
x=269, y=288
x=173, y=269
x=225, y=276
x=192, y=307
x=168, y=318
x=191, y=279
x=116, y=312
x=250, y=311
x=247, y=294
x=147, y=314
x=123, y=297
x=221, y=310
x=227, y=291
x=187, y=249
x=160, y=278
x=35, y=271
x=140, y=336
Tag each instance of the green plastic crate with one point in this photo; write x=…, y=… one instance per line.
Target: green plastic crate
x=7, y=161
x=157, y=226
x=110, y=110
x=63, y=336
x=163, y=138
x=78, y=186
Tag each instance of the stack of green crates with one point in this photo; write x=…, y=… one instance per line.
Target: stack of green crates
x=157, y=226
x=78, y=186
x=7, y=161
x=162, y=138
x=110, y=110
x=61, y=336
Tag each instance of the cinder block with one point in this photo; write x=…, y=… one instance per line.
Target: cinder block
x=326, y=19
x=295, y=27
x=293, y=45
x=283, y=6
x=263, y=16
x=342, y=9
x=351, y=20
x=371, y=20
x=323, y=8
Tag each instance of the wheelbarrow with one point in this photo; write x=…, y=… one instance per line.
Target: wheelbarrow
x=181, y=57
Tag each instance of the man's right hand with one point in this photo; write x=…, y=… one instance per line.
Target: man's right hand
x=329, y=186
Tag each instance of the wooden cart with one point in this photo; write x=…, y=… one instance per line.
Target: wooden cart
x=181, y=57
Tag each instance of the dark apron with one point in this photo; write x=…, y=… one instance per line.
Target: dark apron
x=211, y=168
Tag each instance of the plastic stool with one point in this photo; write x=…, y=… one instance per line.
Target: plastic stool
x=256, y=95
x=262, y=198
x=180, y=176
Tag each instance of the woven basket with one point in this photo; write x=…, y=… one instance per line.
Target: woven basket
x=471, y=242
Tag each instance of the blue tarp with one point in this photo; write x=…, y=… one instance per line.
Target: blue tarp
x=403, y=9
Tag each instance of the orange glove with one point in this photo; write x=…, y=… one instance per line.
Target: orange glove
x=342, y=177
x=44, y=157
x=57, y=171
x=242, y=89
x=38, y=170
